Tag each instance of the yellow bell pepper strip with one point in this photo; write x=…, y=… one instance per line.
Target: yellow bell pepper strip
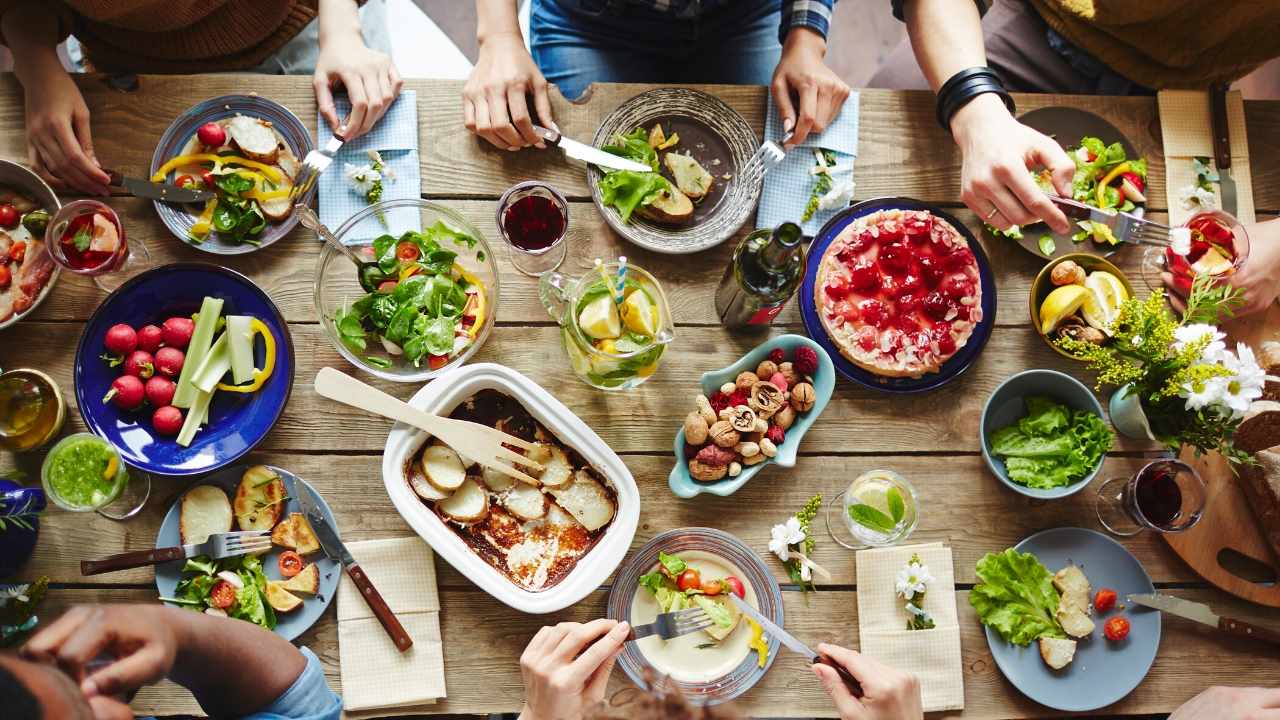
x=259, y=376
x=758, y=642
x=1106, y=180
x=203, y=224
x=272, y=172
x=479, y=296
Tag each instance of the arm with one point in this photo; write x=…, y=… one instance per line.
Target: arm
x=946, y=36
x=369, y=76
x=494, y=100
x=802, y=78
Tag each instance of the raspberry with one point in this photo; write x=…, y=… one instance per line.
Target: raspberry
x=719, y=401
x=775, y=435
x=777, y=355
x=739, y=397
x=806, y=362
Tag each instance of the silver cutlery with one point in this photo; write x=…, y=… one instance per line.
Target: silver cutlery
x=163, y=192
x=1202, y=613
x=1125, y=227
x=673, y=624
x=316, y=162
x=588, y=154
x=771, y=628
x=769, y=154
x=219, y=546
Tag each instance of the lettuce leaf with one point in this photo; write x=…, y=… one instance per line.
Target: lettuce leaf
x=634, y=146
x=1016, y=597
x=627, y=190
x=672, y=563
x=1052, y=446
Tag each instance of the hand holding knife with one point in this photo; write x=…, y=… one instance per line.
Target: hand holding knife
x=789, y=640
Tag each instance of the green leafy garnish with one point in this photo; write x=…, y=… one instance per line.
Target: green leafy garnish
x=1052, y=445
x=1016, y=597
x=81, y=239
x=871, y=518
x=673, y=564
x=1206, y=176
x=200, y=576
x=715, y=610
x=821, y=185
x=897, y=507
x=627, y=190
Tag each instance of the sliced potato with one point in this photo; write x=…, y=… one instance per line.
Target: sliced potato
x=425, y=490
x=443, y=467
x=556, y=470
x=468, y=504
x=539, y=453
x=497, y=481
x=586, y=500
x=525, y=502
x=205, y=511
x=295, y=533
x=691, y=178
x=306, y=582
x=259, y=499
x=669, y=208
x=280, y=599
x=254, y=138
x=656, y=135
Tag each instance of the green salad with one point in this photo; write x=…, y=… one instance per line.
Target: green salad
x=627, y=190
x=1016, y=597
x=666, y=585
x=1052, y=445
x=235, y=587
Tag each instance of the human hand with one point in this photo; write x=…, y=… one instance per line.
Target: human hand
x=888, y=694
x=1231, y=703
x=998, y=150
x=1258, y=279
x=494, y=103
x=802, y=73
x=566, y=668
x=59, y=143
x=370, y=78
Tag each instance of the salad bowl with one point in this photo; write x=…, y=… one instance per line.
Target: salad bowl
x=824, y=381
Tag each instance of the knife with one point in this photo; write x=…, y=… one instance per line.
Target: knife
x=795, y=645
x=163, y=192
x=1222, y=146
x=588, y=154
x=1202, y=613
x=334, y=549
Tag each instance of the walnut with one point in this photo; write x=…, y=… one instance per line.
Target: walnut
x=725, y=413
x=707, y=412
x=728, y=388
x=766, y=369
x=803, y=397
x=766, y=399
x=695, y=429
x=745, y=380
x=747, y=449
x=743, y=419
x=767, y=448
x=735, y=469
x=723, y=434
x=1067, y=272
x=1083, y=333
x=785, y=417
x=713, y=455
x=754, y=459
x=789, y=373
x=703, y=472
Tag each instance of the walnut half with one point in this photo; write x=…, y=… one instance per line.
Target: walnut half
x=703, y=472
x=766, y=399
x=743, y=419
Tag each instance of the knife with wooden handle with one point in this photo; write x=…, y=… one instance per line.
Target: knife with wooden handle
x=1222, y=147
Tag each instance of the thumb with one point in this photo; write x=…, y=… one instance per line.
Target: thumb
x=849, y=707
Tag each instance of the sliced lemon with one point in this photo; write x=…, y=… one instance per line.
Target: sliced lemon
x=1212, y=262
x=1061, y=304
x=1098, y=311
x=1109, y=285
x=599, y=319
x=639, y=313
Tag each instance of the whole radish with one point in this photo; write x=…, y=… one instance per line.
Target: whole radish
x=177, y=332
x=126, y=392
x=169, y=361
x=167, y=420
x=160, y=390
x=120, y=339
x=150, y=338
x=211, y=135
x=140, y=363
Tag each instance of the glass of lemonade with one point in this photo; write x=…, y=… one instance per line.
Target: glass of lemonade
x=84, y=473
x=878, y=509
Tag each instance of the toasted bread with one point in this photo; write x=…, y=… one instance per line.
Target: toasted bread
x=586, y=500
x=280, y=599
x=1073, y=608
x=691, y=178
x=260, y=499
x=669, y=208
x=1057, y=653
x=306, y=582
x=556, y=469
x=254, y=138
x=525, y=502
x=443, y=467
x=205, y=511
x=277, y=209
x=468, y=504
x=295, y=533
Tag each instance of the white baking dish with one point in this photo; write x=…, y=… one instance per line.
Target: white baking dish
x=441, y=396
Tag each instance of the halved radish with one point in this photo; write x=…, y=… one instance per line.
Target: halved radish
x=443, y=467
x=468, y=504
x=1131, y=191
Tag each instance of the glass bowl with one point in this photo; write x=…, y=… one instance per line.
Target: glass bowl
x=755, y=573
x=337, y=283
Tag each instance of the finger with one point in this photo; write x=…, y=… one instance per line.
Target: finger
x=324, y=101
x=108, y=708
x=1011, y=209
x=831, y=103
x=595, y=686
x=518, y=107
x=68, y=161
x=83, y=167
x=469, y=114
x=580, y=636
x=782, y=99
x=44, y=645
x=379, y=98
x=1037, y=202
x=865, y=670
x=600, y=651
x=1062, y=169
x=359, y=105
x=484, y=127
x=807, y=113
x=126, y=674
x=397, y=82
x=544, y=641
x=849, y=707
x=83, y=134
x=87, y=643
x=500, y=121
x=542, y=103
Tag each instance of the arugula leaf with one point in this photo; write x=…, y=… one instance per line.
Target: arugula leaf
x=1016, y=597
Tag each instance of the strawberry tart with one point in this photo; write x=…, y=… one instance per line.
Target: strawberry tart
x=898, y=292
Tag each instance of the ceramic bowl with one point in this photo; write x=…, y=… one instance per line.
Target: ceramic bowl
x=1007, y=405
x=824, y=382
x=28, y=183
x=1043, y=285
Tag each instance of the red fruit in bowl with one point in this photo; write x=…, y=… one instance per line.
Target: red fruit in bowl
x=177, y=331
x=895, y=258
x=936, y=306
x=777, y=356
x=140, y=364
x=159, y=390
x=126, y=392
x=150, y=338
x=776, y=435
x=931, y=270
x=864, y=277
x=806, y=362
x=121, y=339
x=167, y=420
x=211, y=134
x=169, y=361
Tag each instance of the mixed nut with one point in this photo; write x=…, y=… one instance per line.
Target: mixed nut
x=745, y=421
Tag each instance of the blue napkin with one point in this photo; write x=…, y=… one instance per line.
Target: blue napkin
x=395, y=137
x=788, y=184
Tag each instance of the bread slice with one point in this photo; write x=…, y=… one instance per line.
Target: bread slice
x=468, y=504
x=259, y=499
x=279, y=208
x=717, y=632
x=1073, y=608
x=1261, y=486
x=525, y=501
x=254, y=138
x=280, y=599
x=295, y=533
x=443, y=467
x=691, y=178
x=1057, y=653
x=586, y=500
x=669, y=208
x=306, y=582
x=205, y=511
x=557, y=471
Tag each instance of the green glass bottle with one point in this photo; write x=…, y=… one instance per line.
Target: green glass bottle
x=766, y=269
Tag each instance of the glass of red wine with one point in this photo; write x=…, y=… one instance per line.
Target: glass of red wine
x=1219, y=248
x=87, y=238
x=1167, y=496
x=533, y=219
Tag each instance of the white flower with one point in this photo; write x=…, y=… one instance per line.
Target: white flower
x=1205, y=393
x=784, y=536
x=838, y=196
x=912, y=579
x=1190, y=334
x=1197, y=198
x=362, y=178
x=1136, y=340
x=1180, y=240
x=1246, y=381
x=13, y=592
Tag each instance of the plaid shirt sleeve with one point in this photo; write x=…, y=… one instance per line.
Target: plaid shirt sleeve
x=813, y=14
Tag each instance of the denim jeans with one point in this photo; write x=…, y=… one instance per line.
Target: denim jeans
x=578, y=42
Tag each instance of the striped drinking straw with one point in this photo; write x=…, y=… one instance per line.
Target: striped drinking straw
x=622, y=277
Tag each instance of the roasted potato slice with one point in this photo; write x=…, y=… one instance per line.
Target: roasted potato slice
x=205, y=511
x=556, y=469
x=280, y=599
x=1057, y=653
x=306, y=582
x=295, y=533
x=525, y=501
x=691, y=178
x=586, y=500
x=670, y=208
x=254, y=138
x=468, y=504
x=260, y=499
x=443, y=467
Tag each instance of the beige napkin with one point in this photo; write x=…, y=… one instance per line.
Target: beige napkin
x=1187, y=128
x=932, y=655
x=375, y=675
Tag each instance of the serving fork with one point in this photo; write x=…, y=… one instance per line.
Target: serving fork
x=673, y=624
x=769, y=154
x=1127, y=228
x=219, y=546
x=315, y=162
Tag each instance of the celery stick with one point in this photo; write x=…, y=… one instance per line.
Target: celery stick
x=216, y=364
x=240, y=335
x=201, y=339
x=198, y=413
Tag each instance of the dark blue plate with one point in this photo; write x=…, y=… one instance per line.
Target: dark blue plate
x=237, y=421
x=813, y=324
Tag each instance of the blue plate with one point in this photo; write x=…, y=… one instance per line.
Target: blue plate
x=179, y=217
x=813, y=324
x=237, y=421
x=1102, y=671
x=288, y=625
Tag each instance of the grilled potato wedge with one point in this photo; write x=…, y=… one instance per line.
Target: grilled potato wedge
x=670, y=208
x=295, y=533
x=1057, y=653
x=306, y=582
x=556, y=469
x=254, y=138
x=691, y=178
x=205, y=511
x=280, y=599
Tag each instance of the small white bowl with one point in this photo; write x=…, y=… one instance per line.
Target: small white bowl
x=593, y=569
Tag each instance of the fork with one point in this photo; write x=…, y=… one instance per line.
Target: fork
x=315, y=162
x=479, y=443
x=1126, y=227
x=219, y=546
x=673, y=624
x=769, y=154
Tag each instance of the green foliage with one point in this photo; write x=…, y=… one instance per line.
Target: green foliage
x=1015, y=597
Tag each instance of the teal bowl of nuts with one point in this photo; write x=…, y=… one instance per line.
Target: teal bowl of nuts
x=741, y=422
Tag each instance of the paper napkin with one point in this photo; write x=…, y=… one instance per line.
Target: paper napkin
x=788, y=184
x=932, y=655
x=1187, y=129
x=395, y=137
x=375, y=675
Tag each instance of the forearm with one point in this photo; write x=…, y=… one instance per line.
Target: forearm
x=339, y=19
x=494, y=18
x=946, y=37
x=807, y=14
x=231, y=667
x=31, y=32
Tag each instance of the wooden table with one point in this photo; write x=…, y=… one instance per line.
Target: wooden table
x=929, y=438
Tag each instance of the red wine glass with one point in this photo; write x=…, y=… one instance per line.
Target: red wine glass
x=87, y=238
x=533, y=219
x=1167, y=496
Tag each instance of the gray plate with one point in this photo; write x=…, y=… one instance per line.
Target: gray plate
x=1102, y=672
x=288, y=626
x=710, y=131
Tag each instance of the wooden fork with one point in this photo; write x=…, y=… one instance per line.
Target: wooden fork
x=480, y=443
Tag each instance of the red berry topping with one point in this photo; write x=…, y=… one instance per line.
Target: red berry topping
x=776, y=434
x=936, y=306
x=837, y=289
x=778, y=356
x=931, y=270
x=895, y=258
x=957, y=286
x=874, y=312
x=867, y=339
x=890, y=231
x=864, y=277
x=739, y=397
x=919, y=226
x=942, y=335
x=960, y=259
x=910, y=283
x=890, y=285
x=909, y=304
x=806, y=362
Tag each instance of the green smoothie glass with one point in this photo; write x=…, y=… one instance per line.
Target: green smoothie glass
x=84, y=473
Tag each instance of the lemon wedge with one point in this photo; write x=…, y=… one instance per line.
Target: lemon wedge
x=599, y=319
x=1109, y=285
x=1106, y=293
x=1212, y=262
x=1061, y=304
x=639, y=313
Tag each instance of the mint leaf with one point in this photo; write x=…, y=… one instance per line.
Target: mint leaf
x=871, y=518
x=897, y=508
x=82, y=239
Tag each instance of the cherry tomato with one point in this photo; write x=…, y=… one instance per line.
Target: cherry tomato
x=6, y=277
x=435, y=362
x=689, y=580
x=184, y=181
x=407, y=251
x=207, y=178
x=222, y=594
x=386, y=286
x=17, y=251
x=712, y=587
x=1104, y=600
x=290, y=563
x=9, y=217
x=1116, y=629
x=736, y=587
